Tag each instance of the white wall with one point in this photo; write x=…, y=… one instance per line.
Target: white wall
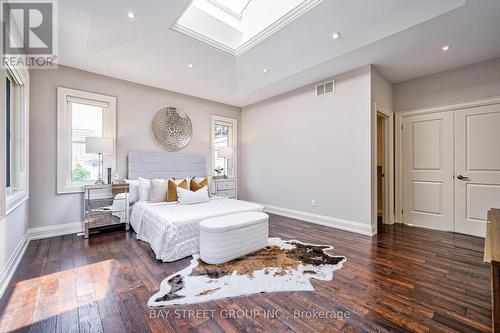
x=136, y=106
x=297, y=147
x=476, y=81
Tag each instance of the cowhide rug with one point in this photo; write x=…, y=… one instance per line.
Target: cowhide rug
x=281, y=266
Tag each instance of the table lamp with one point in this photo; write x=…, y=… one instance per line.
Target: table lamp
x=99, y=145
x=225, y=153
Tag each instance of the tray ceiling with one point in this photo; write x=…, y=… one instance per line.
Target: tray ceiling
x=403, y=38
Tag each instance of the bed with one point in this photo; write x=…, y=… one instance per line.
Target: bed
x=171, y=229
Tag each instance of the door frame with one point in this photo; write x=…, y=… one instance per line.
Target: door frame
x=399, y=139
x=388, y=116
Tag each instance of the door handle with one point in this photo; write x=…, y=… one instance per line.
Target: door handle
x=460, y=177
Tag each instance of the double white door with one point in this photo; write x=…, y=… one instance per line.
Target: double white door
x=451, y=169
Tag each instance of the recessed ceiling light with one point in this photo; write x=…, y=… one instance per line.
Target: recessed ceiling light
x=190, y=65
x=131, y=14
x=336, y=35
x=446, y=48
x=266, y=70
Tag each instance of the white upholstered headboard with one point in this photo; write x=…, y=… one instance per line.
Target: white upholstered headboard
x=165, y=165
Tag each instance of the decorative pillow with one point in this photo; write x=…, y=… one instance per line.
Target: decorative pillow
x=197, y=183
x=187, y=197
x=144, y=188
x=133, y=190
x=173, y=185
x=158, y=191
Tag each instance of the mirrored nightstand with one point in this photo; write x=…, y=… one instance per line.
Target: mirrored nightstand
x=105, y=205
x=225, y=187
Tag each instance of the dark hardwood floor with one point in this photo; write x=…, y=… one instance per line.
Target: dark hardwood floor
x=405, y=279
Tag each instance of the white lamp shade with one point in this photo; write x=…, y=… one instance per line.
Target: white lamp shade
x=96, y=145
x=224, y=152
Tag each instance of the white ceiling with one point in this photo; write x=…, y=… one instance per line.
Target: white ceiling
x=403, y=38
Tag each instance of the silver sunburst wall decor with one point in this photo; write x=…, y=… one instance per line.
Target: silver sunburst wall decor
x=172, y=128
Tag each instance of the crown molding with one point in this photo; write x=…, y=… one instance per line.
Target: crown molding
x=278, y=25
x=283, y=21
x=204, y=39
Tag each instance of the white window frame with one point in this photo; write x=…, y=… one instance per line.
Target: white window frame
x=18, y=192
x=224, y=121
x=64, y=135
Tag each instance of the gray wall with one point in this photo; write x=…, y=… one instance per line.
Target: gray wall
x=476, y=81
x=13, y=226
x=12, y=230
x=382, y=94
x=136, y=106
x=381, y=91
x=297, y=147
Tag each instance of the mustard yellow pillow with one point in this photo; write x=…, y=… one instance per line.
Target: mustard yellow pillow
x=195, y=185
x=172, y=189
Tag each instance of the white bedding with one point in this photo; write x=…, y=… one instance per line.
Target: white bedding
x=172, y=229
x=119, y=205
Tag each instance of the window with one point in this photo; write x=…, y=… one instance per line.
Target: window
x=86, y=120
x=14, y=140
x=224, y=146
x=81, y=115
x=236, y=7
x=8, y=132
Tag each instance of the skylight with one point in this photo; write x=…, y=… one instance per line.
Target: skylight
x=233, y=7
x=215, y=11
x=235, y=26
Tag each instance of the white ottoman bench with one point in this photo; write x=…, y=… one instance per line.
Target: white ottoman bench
x=229, y=237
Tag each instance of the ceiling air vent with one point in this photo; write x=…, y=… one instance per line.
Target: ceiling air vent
x=325, y=88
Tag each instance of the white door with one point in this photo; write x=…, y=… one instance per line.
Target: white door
x=477, y=165
x=428, y=171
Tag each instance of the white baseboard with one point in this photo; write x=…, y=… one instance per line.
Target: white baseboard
x=31, y=234
x=333, y=222
x=10, y=268
x=55, y=230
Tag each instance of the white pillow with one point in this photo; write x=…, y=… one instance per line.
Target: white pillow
x=144, y=188
x=158, y=190
x=187, y=197
x=133, y=190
